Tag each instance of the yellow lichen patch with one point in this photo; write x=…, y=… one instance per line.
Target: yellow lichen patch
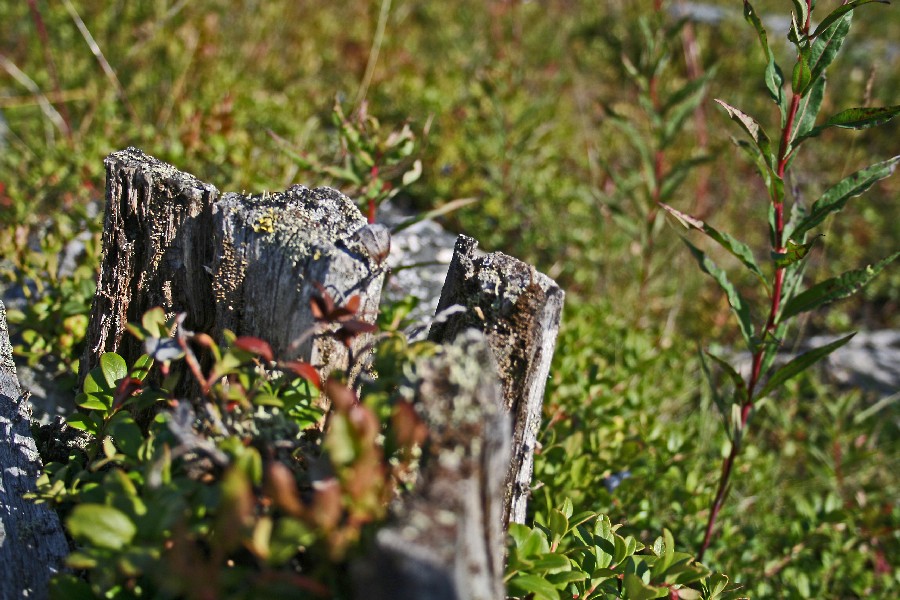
x=265, y=222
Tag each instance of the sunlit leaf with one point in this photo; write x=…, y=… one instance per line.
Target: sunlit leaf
x=100, y=525
x=855, y=118
x=801, y=75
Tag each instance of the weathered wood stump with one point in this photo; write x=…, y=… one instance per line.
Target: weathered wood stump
x=519, y=311
x=249, y=264
x=32, y=543
x=446, y=540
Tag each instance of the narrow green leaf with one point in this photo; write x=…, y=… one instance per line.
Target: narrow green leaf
x=827, y=46
x=737, y=248
x=100, y=525
x=735, y=300
x=840, y=12
x=774, y=77
x=854, y=118
x=833, y=289
x=863, y=117
x=836, y=197
x=801, y=76
x=808, y=110
x=753, y=129
x=800, y=364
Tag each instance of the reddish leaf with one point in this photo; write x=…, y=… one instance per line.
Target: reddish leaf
x=304, y=370
x=353, y=304
x=409, y=428
x=254, y=345
x=342, y=397
x=282, y=487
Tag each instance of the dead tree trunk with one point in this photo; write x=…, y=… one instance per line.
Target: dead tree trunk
x=446, y=540
x=32, y=543
x=249, y=264
x=519, y=311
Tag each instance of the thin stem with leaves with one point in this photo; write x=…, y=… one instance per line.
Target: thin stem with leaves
x=785, y=295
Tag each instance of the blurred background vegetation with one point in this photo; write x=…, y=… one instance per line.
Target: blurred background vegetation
x=514, y=104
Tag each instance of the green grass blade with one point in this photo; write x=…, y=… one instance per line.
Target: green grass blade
x=800, y=364
x=735, y=299
x=833, y=289
x=836, y=197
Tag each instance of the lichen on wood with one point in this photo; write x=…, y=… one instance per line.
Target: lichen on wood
x=519, y=311
x=248, y=264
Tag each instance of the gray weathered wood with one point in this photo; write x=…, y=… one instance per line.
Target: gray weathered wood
x=32, y=543
x=446, y=540
x=519, y=311
x=274, y=252
x=249, y=264
x=157, y=236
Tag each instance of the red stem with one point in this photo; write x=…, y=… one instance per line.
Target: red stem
x=759, y=354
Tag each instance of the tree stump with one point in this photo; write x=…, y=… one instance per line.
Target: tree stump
x=32, y=543
x=446, y=540
x=519, y=311
x=249, y=264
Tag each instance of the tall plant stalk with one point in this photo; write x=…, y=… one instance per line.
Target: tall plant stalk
x=784, y=287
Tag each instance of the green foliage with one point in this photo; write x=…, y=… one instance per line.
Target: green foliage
x=53, y=320
x=516, y=95
x=372, y=165
x=628, y=432
x=785, y=296
x=582, y=556
x=246, y=480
